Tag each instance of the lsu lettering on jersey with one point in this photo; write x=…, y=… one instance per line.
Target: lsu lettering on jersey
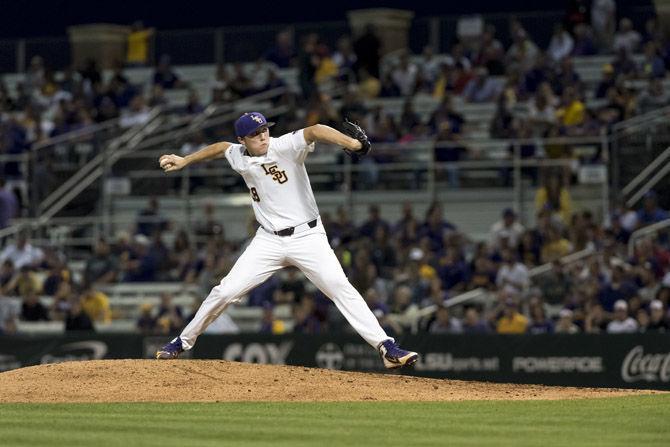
x=281, y=193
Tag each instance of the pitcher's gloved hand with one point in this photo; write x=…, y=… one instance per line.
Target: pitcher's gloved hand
x=354, y=131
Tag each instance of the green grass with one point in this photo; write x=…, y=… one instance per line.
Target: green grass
x=628, y=421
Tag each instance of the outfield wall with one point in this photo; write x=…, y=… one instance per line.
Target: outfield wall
x=630, y=361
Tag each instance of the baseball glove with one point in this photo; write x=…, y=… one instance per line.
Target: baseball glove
x=354, y=131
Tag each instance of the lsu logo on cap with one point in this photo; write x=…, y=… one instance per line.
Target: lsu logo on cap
x=257, y=118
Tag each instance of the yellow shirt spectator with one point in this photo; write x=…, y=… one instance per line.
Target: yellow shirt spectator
x=556, y=249
x=96, y=306
x=564, y=209
x=512, y=324
x=138, y=46
x=573, y=114
x=327, y=70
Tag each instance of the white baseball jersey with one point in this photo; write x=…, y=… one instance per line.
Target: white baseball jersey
x=281, y=194
x=282, y=197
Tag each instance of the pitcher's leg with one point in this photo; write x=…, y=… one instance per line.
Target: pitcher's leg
x=260, y=260
x=312, y=254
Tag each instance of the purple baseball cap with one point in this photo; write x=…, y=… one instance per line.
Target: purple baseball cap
x=249, y=123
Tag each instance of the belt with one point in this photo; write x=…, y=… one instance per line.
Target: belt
x=297, y=229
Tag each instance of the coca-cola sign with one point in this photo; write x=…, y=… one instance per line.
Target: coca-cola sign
x=638, y=366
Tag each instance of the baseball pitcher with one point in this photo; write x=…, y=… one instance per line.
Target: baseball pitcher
x=290, y=231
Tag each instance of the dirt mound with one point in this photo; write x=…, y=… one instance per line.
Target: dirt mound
x=214, y=380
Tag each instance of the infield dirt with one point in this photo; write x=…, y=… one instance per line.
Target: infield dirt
x=219, y=381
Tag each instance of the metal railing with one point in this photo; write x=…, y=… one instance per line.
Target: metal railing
x=645, y=232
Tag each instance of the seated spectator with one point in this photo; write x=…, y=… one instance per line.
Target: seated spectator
x=513, y=277
x=540, y=72
x=368, y=85
x=406, y=229
x=481, y=88
x=291, y=288
x=405, y=76
x=445, y=113
x=458, y=57
x=209, y=226
x=448, y=149
x=95, y=304
x=482, y=273
x=491, y=53
x=567, y=77
x=652, y=65
x=618, y=289
x=555, y=246
x=369, y=227
x=146, y=323
x=522, y=53
x=32, y=309
x=596, y=321
x=648, y=214
x=572, y=111
x=584, y=41
x=507, y=231
x=657, y=319
x=607, y=82
x=135, y=264
x=473, y=324
x=25, y=282
x=169, y=315
x=621, y=323
x=77, y=319
x=102, y=266
x=654, y=97
x=165, y=76
x=539, y=323
x=263, y=294
x=555, y=198
x=22, y=253
x=58, y=276
x=453, y=271
x=326, y=70
x=269, y=323
x=409, y=119
x=282, y=53
x=561, y=44
x=136, y=114
x=642, y=319
x=305, y=318
x=345, y=59
x=624, y=64
x=565, y=324
x=529, y=248
x=626, y=38
x=502, y=125
x=429, y=69
x=554, y=284
x=444, y=323
x=511, y=321
x=149, y=220
x=435, y=228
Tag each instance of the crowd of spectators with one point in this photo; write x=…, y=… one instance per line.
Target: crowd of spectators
x=400, y=268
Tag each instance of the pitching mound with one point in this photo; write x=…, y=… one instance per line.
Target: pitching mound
x=214, y=380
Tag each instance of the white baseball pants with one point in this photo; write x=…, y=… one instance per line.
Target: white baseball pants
x=311, y=253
